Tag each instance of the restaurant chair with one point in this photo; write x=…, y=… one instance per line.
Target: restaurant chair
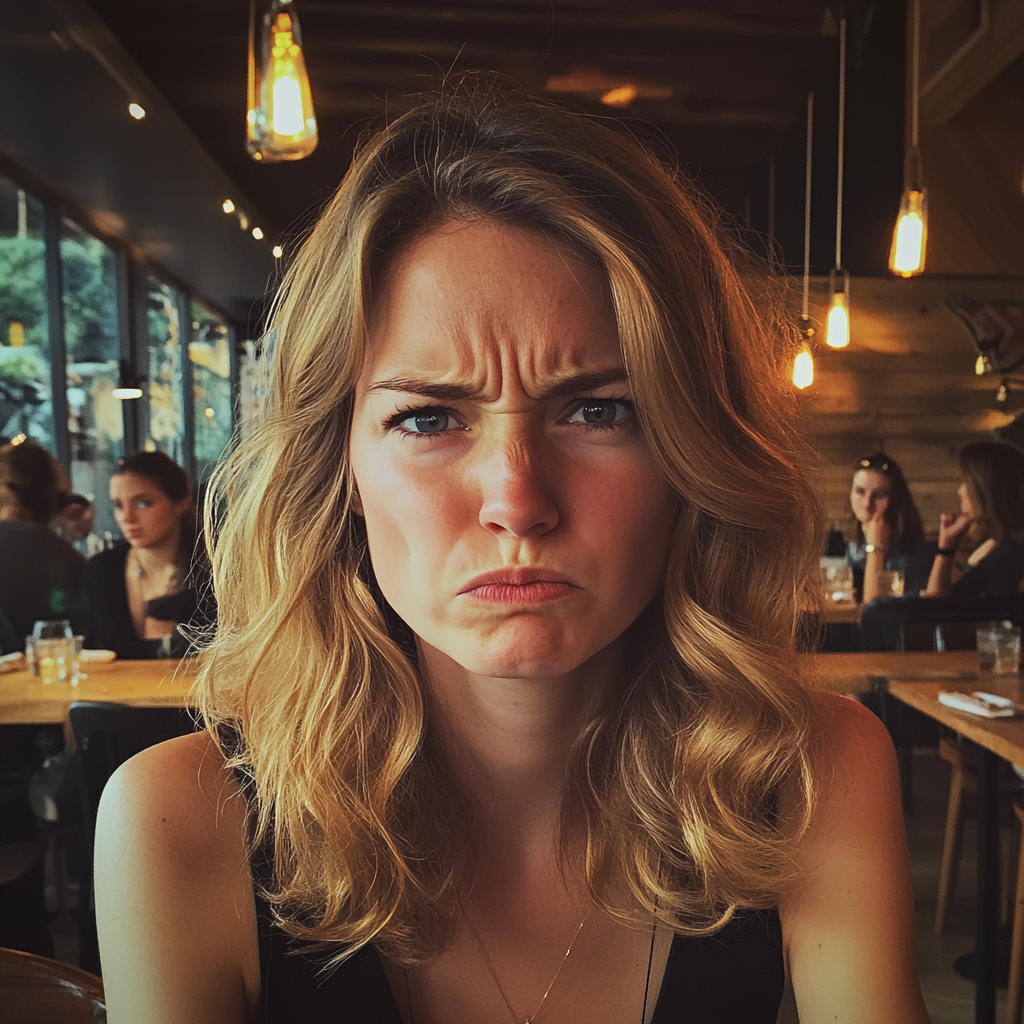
x=36, y=990
x=1015, y=993
x=107, y=735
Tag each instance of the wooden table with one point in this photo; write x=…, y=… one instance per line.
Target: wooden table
x=995, y=738
x=857, y=671
x=26, y=699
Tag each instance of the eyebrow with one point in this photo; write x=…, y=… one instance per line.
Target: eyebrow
x=573, y=384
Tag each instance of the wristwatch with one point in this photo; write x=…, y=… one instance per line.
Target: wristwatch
x=871, y=548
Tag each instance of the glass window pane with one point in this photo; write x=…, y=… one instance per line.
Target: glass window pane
x=26, y=405
x=209, y=351
x=166, y=383
x=95, y=417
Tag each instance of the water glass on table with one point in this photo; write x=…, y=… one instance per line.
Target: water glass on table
x=837, y=580
x=998, y=647
x=890, y=584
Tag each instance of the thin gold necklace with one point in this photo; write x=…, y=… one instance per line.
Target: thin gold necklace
x=497, y=981
x=494, y=977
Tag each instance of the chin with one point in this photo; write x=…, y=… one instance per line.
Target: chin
x=524, y=650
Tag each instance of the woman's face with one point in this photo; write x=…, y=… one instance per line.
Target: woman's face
x=869, y=495
x=515, y=517
x=144, y=514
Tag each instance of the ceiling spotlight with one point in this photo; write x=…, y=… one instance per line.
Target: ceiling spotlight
x=621, y=96
x=257, y=233
x=277, y=251
x=228, y=206
x=137, y=111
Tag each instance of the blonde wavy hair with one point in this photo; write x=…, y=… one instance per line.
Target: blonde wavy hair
x=672, y=790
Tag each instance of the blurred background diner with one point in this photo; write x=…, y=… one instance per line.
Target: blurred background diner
x=149, y=202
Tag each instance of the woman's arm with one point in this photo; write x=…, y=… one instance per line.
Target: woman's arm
x=876, y=538
x=952, y=526
x=174, y=902
x=848, y=919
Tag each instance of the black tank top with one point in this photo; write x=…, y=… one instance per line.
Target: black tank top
x=735, y=976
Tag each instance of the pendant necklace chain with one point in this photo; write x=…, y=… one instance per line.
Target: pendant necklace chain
x=497, y=982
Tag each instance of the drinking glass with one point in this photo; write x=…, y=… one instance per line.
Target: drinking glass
x=1007, y=651
x=837, y=580
x=52, y=655
x=890, y=584
x=998, y=647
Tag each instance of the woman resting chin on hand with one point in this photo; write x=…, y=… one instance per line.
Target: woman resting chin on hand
x=506, y=719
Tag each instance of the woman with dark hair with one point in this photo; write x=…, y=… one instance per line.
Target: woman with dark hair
x=40, y=573
x=142, y=588
x=888, y=537
x=992, y=509
x=505, y=715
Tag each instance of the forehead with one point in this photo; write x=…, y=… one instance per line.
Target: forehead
x=126, y=485
x=871, y=479
x=476, y=301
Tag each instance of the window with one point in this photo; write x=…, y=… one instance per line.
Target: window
x=26, y=405
x=93, y=346
x=166, y=383
x=209, y=352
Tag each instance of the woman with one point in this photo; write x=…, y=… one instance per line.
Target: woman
x=992, y=507
x=504, y=700
x=889, y=537
x=40, y=573
x=141, y=588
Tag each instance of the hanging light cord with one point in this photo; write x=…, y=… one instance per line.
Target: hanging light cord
x=915, y=99
x=842, y=136
x=807, y=207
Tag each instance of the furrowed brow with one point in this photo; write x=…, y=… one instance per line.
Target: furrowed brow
x=429, y=389
x=574, y=384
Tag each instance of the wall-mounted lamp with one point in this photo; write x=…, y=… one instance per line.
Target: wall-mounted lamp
x=128, y=384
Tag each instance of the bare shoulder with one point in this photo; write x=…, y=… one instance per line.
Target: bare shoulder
x=180, y=787
x=848, y=915
x=174, y=900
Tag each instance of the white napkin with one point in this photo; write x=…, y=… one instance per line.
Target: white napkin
x=987, y=705
x=13, y=662
x=96, y=655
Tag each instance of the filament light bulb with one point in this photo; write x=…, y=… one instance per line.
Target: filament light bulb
x=280, y=123
x=228, y=206
x=137, y=111
x=803, y=369
x=837, y=323
x=906, y=257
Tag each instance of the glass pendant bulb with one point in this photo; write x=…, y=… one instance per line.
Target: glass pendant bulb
x=837, y=323
x=280, y=123
x=906, y=257
x=803, y=368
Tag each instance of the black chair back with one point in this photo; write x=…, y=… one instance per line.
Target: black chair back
x=106, y=736
x=933, y=624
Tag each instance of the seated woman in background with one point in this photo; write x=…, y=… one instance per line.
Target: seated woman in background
x=992, y=508
x=143, y=587
x=505, y=715
x=40, y=573
x=889, y=537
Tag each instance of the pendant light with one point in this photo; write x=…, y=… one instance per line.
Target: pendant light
x=803, y=365
x=280, y=123
x=837, y=322
x=906, y=257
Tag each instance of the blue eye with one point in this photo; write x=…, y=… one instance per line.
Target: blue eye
x=426, y=421
x=601, y=412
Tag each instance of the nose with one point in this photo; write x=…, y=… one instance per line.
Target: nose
x=516, y=498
